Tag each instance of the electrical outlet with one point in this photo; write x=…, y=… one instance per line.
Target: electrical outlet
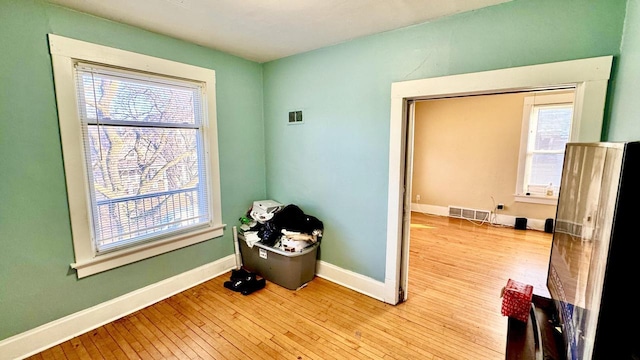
x=417, y=197
x=500, y=207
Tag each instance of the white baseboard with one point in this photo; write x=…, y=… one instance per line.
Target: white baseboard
x=509, y=220
x=430, y=209
x=499, y=219
x=535, y=224
x=43, y=337
x=58, y=331
x=354, y=281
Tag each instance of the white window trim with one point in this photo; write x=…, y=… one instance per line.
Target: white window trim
x=529, y=103
x=65, y=52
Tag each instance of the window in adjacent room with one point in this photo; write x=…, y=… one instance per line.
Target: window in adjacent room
x=546, y=129
x=140, y=153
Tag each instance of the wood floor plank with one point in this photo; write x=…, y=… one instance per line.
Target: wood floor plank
x=122, y=342
x=73, y=350
x=210, y=333
x=88, y=344
x=175, y=342
x=146, y=345
x=157, y=337
x=456, y=272
x=180, y=322
x=118, y=330
x=302, y=326
x=355, y=322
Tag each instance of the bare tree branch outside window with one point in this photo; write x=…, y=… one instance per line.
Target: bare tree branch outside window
x=144, y=144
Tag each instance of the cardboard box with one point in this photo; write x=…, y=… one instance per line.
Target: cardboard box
x=516, y=300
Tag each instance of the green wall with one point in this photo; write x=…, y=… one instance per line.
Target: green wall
x=36, y=285
x=335, y=165
x=625, y=117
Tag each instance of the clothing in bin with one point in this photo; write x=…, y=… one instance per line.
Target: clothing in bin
x=280, y=243
x=285, y=227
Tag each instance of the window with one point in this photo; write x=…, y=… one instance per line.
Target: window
x=140, y=151
x=546, y=124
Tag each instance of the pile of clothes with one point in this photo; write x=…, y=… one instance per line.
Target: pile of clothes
x=286, y=228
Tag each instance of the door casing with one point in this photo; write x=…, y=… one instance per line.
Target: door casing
x=589, y=76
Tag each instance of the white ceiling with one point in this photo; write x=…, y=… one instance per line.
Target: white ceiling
x=264, y=30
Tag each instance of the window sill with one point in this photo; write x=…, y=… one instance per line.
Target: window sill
x=86, y=267
x=537, y=199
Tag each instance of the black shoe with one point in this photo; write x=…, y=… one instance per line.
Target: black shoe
x=239, y=274
x=253, y=285
x=239, y=283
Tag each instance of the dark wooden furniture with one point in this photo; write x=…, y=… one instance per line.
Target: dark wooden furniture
x=537, y=339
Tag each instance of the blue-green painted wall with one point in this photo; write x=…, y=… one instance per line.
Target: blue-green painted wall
x=335, y=165
x=625, y=117
x=36, y=285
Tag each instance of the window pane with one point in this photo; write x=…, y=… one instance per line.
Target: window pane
x=143, y=144
x=120, y=98
x=545, y=169
x=553, y=127
x=146, y=181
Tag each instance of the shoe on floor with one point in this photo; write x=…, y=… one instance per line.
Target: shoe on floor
x=253, y=285
x=237, y=285
x=240, y=283
x=239, y=274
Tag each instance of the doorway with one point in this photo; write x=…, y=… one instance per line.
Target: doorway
x=474, y=152
x=588, y=76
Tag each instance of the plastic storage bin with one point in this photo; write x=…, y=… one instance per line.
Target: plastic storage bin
x=287, y=269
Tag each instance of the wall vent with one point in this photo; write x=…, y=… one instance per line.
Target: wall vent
x=470, y=214
x=295, y=117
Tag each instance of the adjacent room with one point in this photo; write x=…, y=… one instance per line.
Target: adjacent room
x=387, y=122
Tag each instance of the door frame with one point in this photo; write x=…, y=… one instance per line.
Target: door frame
x=589, y=76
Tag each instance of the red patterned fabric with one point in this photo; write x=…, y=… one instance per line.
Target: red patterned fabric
x=516, y=300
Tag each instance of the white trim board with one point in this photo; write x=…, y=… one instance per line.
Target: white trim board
x=66, y=54
x=58, y=331
x=430, y=209
x=500, y=219
x=349, y=279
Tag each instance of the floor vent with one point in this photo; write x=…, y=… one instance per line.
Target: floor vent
x=470, y=214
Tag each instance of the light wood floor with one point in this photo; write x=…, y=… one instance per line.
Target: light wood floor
x=457, y=270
